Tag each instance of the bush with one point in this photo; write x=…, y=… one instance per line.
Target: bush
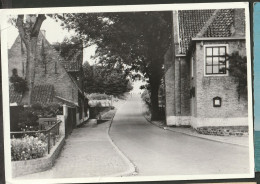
x=20, y=84
x=146, y=97
x=99, y=96
x=28, y=147
x=28, y=118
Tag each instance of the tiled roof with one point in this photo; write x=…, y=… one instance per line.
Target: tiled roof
x=64, y=101
x=220, y=27
x=14, y=96
x=191, y=22
x=43, y=94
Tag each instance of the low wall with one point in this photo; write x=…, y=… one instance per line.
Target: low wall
x=224, y=131
x=221, y=122
x=178, y=120
x=20, y=168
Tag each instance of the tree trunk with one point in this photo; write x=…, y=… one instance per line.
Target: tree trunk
x=30, y=67
x=154, y=101
x=29, y=32
x=155, y=81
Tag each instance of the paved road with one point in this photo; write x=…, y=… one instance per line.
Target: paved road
x=161, y=152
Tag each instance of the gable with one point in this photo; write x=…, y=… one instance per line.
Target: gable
x=219, y=23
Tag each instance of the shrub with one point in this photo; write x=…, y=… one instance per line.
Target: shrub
x=146, y=97
x=28, y=147
x=99, y=96
x=28, y=120
x=20, y=84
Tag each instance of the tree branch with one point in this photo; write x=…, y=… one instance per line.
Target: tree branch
x=37, y=25
x=19, y=25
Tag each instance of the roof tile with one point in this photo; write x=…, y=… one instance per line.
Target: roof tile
x=43, y=94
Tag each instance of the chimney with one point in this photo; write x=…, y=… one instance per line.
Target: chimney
x=239, y=23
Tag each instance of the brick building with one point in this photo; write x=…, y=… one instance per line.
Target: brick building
x=200, y=92
x=56, y=80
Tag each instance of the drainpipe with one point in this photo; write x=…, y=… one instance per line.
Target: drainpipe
x=180, y=82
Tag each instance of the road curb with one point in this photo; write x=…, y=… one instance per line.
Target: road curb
x=132, y=169
x=192, y=135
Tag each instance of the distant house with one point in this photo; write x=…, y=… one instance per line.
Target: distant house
x=56, y=80
x=199, y=90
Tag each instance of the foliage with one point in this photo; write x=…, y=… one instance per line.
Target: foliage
x=20, y=85
x=98, y=96
x=28, y=147
x=101, y=79
x=47, y=110
x=28, y=118
x=238, y=69
x=146, y=97
x=134, y=41
x=69, y=47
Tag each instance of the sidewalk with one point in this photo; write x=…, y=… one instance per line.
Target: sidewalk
x=88, y=152
x=241, y=141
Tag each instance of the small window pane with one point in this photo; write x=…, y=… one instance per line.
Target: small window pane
x=215, y=69
x=209, y=51
x=222, y=51
x=222, y=60
x=222, y=69
x=215, y=51
x=215, y=60
x=209, y=70
x=209, y=60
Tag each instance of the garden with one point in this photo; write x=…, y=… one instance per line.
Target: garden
x=34, y=130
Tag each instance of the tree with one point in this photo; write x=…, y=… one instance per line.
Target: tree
x=238, y=69
x=29, y=31
x=135, y=40
x=100, y=79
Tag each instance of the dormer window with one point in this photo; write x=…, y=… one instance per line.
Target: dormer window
x=216, y=60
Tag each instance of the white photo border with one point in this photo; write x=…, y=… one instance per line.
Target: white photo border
x=120, y=8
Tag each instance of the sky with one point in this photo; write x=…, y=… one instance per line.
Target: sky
x=256, y=32
x=54, y=33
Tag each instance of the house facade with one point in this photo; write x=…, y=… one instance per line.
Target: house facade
x=200, y=92
x=55, y=80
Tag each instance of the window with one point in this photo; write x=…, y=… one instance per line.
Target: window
x=216, y=60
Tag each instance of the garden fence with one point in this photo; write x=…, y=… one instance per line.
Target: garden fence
x=51, y=133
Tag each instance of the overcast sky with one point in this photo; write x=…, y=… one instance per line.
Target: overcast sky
x=54, y=33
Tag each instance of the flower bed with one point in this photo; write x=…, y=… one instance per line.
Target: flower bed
x=24, y=167
x=28, y=147
x=36, y=145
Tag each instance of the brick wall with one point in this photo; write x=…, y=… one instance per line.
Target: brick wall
x=16, y=59
x=63, y=85
x=20, y=168
x=208, y=87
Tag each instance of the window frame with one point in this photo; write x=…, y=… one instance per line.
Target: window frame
x=205, y=59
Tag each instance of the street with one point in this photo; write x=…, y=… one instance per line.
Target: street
x=155, y=151
x=89, y=151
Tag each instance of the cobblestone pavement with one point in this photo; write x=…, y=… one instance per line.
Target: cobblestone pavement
x=156, y=151
x=88, y=152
